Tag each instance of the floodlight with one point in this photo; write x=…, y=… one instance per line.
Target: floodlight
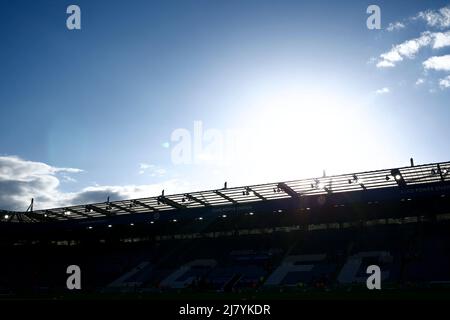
x=398, y=177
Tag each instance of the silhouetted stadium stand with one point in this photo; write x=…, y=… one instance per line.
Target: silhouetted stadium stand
x=323, y=240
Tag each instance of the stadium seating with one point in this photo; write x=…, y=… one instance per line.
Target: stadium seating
x=407, y=253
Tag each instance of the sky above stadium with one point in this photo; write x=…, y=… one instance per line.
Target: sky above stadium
x=184, y=95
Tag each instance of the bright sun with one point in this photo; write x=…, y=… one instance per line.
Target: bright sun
x=296, y=134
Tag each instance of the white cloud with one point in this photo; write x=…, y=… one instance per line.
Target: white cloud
x=151, y=169
x=23, y=169
x=445, y=82
x=441, y=40
x=144, y=166
x=392, y=56
x=385, y=64
x=406, y=49
x=433, y=18
x=67, y=178
x=409, y=49
x=21, y=180
x=382, y=90
x=420, y=81
x=101, y=193
x=436, y=18
x=395, y=26
x=438, y=63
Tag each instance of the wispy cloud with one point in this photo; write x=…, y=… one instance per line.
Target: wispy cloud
x=444, y=83
x=384, y=90
x=151, y=169
x=439, y=19
x=395, y=26
x=409, y=49
x=440, y=63
x=436, y=18
x=385, y=64
x=420, y=81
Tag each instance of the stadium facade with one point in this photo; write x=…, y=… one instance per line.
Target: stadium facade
x=311, y=234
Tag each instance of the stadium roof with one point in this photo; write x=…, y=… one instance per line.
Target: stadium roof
x=397, y=177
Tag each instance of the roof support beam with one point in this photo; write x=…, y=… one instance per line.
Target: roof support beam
x=97, y=209
x=255, y=193
x=78, y=212
x=38, y=217
x=191, y=197
x=112, y=204
x=53, y=213
x=225, y=196
x=142, y=204
x=283, y=186
x=440, y=173
x=170, y=202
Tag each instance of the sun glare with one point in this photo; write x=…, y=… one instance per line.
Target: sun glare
x=297, y=134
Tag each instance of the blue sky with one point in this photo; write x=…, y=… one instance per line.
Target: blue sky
x=303, y=85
